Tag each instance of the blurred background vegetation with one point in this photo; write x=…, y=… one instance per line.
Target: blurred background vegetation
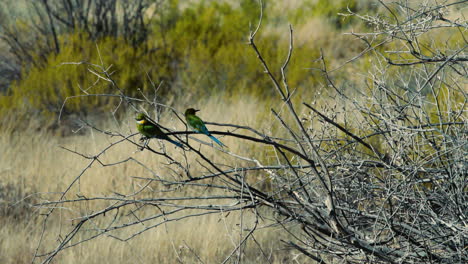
x=193, y=49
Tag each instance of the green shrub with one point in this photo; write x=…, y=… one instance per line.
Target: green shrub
x=195, y=51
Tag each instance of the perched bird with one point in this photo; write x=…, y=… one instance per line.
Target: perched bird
x=150, y=130
x=198, y=125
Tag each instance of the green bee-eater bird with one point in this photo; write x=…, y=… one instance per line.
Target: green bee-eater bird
x=150, y=130
x=198, y=125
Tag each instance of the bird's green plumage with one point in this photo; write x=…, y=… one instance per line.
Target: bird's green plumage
x=151, y=130
x=198, y=125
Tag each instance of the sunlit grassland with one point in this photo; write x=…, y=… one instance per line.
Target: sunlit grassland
x=35, y=168
x=218, y=73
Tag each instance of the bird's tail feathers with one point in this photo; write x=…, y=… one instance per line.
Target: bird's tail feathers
x=176, y=143
x=217, y=141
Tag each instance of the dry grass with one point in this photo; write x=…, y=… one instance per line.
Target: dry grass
x=33, y=165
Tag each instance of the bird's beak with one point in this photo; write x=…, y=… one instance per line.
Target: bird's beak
x=196, y=110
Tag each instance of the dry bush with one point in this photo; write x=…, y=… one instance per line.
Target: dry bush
x=382, y=179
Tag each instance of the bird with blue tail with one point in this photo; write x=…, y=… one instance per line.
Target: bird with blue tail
x=150, y=129
x=198, y=125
